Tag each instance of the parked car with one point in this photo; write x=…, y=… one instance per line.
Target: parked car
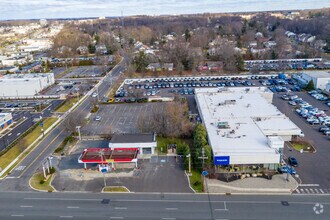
x=292, y=161
x=324, y=128
x=287, y=169
x=97, y=118
x=293, y=103
x=94, y=95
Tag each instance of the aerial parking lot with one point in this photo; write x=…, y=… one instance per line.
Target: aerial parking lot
x=86, y=71
x=120, y=118
x=182, y=86
x=313, y=167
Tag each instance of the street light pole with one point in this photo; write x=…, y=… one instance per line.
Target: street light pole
x=189, y=157
x=79, y=134
x=102, y=153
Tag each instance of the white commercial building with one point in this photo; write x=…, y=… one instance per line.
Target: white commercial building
x=145, y=142
x=25, y=85
x=5, y=120
x=320, y=78
x=243, y=127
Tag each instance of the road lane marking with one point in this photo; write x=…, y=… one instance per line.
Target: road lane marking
x=41, y=151
x=17, y=215
x=26, y=206
x=120, y=207
x=220, y=209
x=171, y=208
x=169, y=218
x=116, y=217
x=66, y=216
x=309, y=185
x=175, y=201
x=322, y=191
x=73, y=207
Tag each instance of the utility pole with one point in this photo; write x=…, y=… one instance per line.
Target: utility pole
x=203, y=157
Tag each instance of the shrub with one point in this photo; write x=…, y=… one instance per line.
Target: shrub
x=42, y=181
x=52, y=170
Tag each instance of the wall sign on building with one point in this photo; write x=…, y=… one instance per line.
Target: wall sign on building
x=221, y=160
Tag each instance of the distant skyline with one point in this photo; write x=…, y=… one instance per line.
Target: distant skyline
x=35, y=9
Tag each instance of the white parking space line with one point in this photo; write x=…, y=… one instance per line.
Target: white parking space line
x=73, y=207
x=26, y=206
x=116, y=217
x=170, y=209
x=17, y=215
x=169, y=218
x=66, y=216
x=121, y=208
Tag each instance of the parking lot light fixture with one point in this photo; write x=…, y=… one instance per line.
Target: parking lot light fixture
x=79, y=134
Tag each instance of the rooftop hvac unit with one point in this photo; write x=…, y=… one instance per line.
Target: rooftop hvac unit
x=223, y=125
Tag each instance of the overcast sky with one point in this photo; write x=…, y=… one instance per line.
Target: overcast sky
x=26, y=9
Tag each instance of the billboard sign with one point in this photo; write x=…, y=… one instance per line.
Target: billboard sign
x=221, y=160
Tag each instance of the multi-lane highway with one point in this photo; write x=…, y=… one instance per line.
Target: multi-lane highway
x=18, y=179
x=35, y=206
x=27, y=120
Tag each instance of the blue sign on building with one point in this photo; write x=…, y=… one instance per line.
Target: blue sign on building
x=221, y=160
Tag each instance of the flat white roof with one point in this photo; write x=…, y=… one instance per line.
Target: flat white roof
x=318, y=74
x=249, y=116
x=26, y=76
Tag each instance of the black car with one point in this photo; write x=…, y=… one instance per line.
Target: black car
x=292, y=161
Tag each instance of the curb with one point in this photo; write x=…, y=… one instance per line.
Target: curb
x=41, y=137
x=189, y=181
x=41, y=190
x=128, y=191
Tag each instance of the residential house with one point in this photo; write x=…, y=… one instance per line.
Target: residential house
x=82, y=50
x=154, y=67
x=168, y=66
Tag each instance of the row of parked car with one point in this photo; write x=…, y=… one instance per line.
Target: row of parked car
x=318, y=95
x=313, y=116
x=203, y=78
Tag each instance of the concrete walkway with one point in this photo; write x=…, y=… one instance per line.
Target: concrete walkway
x=277, y=184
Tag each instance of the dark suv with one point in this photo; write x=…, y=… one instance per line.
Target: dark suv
x=292, y=161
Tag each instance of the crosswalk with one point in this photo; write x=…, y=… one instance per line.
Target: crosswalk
x=311, y=190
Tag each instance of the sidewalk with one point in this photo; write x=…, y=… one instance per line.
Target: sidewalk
x=277, y=184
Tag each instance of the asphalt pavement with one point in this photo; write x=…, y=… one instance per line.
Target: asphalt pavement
x=313, y=168
x=161, y=206
x=28, y=121
x=19, y=178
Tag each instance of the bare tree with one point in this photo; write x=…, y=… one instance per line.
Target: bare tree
x=72, y=121
x=171, y=120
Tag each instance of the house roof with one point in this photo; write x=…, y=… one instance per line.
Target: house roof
x=132, y=138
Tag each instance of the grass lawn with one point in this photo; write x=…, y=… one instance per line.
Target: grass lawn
x=67, y=105
x=305, y=146
x=35, y=182
x=15, y=151
x=163, y=142
x=196, y=181
x=115, y=189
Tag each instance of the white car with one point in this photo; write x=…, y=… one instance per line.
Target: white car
x=94, y=95
x=98, y=118
x=292, y=103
